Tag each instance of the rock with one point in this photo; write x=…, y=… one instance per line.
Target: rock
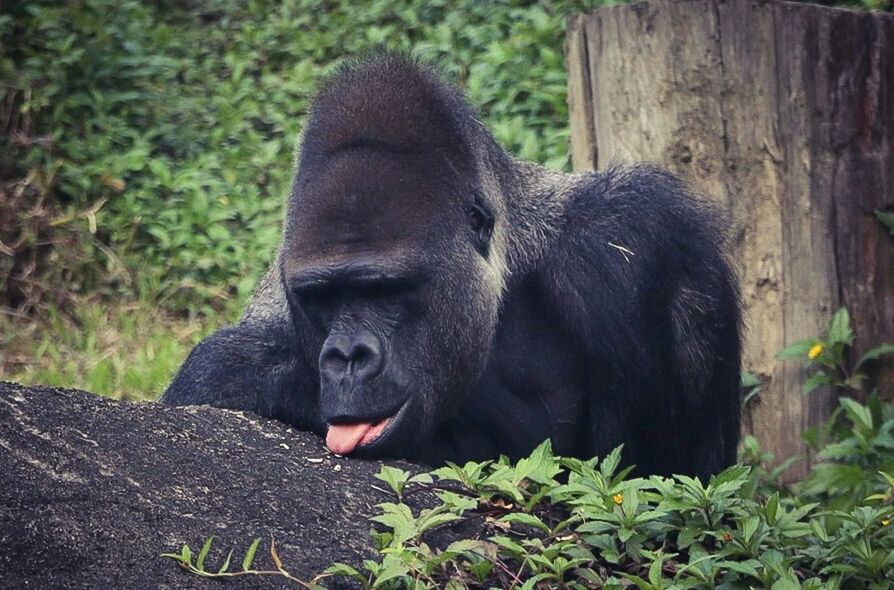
x=92, y=491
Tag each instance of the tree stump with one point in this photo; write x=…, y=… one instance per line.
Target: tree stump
x=783, y=113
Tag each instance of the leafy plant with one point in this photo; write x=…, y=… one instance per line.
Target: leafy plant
x=601, y=529
x=826, y=356
x=195, y=563
x=552, y=522
x=858, y=440
x=861, y=444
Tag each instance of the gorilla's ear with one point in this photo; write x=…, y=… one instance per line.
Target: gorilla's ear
x=482, y=221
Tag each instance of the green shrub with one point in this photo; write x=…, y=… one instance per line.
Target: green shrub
x=153, y=142
x=549, y=522
x=857, y=442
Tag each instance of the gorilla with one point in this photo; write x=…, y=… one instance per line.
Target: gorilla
x=435, y=299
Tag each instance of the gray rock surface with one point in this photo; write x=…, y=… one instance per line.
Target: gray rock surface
x=92, y=491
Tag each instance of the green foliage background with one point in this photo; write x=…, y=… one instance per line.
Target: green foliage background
x=152, y=143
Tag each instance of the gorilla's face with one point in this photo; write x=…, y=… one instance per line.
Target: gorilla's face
x=394, y=287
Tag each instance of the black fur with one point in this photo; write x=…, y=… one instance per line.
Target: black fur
x=493, y=303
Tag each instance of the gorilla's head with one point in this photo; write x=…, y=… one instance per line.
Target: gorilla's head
x=394, y=255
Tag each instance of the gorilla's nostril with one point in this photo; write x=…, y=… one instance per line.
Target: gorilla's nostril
x=360, y=355
x=334, y=358
x=365, y=360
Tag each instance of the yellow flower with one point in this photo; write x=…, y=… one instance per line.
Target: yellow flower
x=815, y=351
x=618, y=498
x=886, y=521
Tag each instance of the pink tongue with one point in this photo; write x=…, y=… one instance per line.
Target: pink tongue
x=344, y=438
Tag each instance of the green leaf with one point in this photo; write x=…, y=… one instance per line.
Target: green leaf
x=840, y=328
x=875, y=353
x=540, y=466
x=840, y=451
x=750, y=526
x=250, y=554
x=421, y=478
x=506, y=543
x=736, y=473
x=464, y=545
x=887, y=219
x=343, y=569
x=200, y=560
x=749, y=380
x=833, y=476
x=400, y=519
x=655, y=573
x=186, y=554
x=749, y=567
x=857, y=412
x=687, y=537
x=480, y=569
x=226, y=563
x=175, y=556
x=818, y=529
x=798, y=350
x=772, y=507
x=428, y=522
x=638, y=582
x=818, y=379
x=625, y=533
x=787, y=582
x=457, y=502
x=525, y=519
x=611, y=462
x=394, y=477
x=389, y=573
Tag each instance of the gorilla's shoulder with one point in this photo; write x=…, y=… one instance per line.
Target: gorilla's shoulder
x=630, y=234
x=642, y=208
x=643, y=191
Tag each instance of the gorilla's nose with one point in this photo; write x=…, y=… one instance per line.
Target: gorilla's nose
x=357, y=357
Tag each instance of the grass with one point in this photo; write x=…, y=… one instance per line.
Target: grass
x=129, y=351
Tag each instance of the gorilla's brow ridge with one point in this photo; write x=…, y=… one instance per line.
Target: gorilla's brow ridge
x=358, y=273
x=375, y=144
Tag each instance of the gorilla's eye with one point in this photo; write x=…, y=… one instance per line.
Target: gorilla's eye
x=319, y=294
x=482, y=222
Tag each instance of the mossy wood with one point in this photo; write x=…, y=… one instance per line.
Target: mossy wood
x=784, y=113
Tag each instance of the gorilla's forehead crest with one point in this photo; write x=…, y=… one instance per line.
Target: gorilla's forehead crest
x=394, y=103
x=384, y=162
x=369, y=201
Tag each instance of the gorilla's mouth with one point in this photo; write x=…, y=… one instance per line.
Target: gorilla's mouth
x=343, y=439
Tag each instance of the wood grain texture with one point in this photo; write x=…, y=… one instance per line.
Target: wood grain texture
x=784, y=114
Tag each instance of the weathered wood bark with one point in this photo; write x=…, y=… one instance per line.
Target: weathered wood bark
x=784, y=113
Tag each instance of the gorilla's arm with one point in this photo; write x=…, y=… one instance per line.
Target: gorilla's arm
x=253, y=365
